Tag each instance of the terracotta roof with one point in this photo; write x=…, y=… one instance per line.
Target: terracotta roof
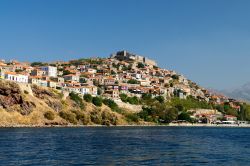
x=8, y=72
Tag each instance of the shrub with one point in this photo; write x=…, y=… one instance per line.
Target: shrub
x=68, y=116
x=108, y=118
x=110, y=103
x=159, y=113
x=26, y=92
x=133, y=100
x=88, y=98
x=37, y=64
x=99, y=91
x=82, y=117
x=113, y=72
x=66, y=72
x=123, y=97
x=49, y=115
x=185, y=116
x=133, y=81
x=146, y=96
x=96, y=117
x=131, y=117
x=160, y=99
x=97, y=101
x=77, y=99
x=140, y=65
x=175, y=77
x=118, y=110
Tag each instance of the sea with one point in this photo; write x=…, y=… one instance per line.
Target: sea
x=125, y=146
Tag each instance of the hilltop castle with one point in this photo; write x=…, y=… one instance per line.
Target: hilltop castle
x=127, y=56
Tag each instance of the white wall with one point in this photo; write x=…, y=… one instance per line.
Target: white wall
x=17, y=78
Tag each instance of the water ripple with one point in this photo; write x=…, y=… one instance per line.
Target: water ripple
x=124, y=146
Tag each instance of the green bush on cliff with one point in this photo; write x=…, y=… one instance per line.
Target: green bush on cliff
x=81, y=117
x=77, y=99
x=96, y=116
x=160, y=99
x=110, y=103
x=68, y=116
x=49, y=115
x=123, y=97
x=97, y=101
x=108, y=118
x=88, y=98
x=133, y=81
x=133, y=100
x=132, y=117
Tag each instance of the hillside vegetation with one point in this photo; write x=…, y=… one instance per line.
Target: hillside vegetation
x=47, y=107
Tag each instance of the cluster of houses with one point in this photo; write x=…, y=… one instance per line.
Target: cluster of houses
x=210, y=116
x=122, y=72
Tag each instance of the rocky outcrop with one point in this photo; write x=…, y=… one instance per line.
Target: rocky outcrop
x=52, y=99
x=11, y=98
x=42, y=93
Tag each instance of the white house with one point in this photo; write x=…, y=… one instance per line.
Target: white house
x=12, y=76
x=71, y=77
x=85, y=90
x=88, y=90
x=37, y=80
x=90, y=70
x=73, y=89
x=51, y=71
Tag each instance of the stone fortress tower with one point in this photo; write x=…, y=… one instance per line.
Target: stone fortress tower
x=127, y=56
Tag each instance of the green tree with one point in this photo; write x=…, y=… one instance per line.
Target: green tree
x=123, y=97
x=88, y=98
x=66, y=72
x=140, y=65
x=161, y=99
x=97, y=101
x=146, y=96
x=18, y=70
x=133, y=81
x=77, y=99
x=110, y=103
x=133, y=100
x=175, y=77
x=113, y=72
x=37, y=64
x=99, y=91
x=168, y=115
x=185, y=116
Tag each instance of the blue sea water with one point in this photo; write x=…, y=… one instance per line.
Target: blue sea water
x=124, y=146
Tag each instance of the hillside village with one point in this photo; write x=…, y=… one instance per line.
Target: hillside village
x=123, y=73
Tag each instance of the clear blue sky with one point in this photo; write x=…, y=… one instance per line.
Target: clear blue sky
x=206, y=40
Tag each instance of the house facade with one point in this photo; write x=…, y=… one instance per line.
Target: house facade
x=12, y=76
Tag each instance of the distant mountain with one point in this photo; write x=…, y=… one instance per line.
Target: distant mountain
x=240, y=93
